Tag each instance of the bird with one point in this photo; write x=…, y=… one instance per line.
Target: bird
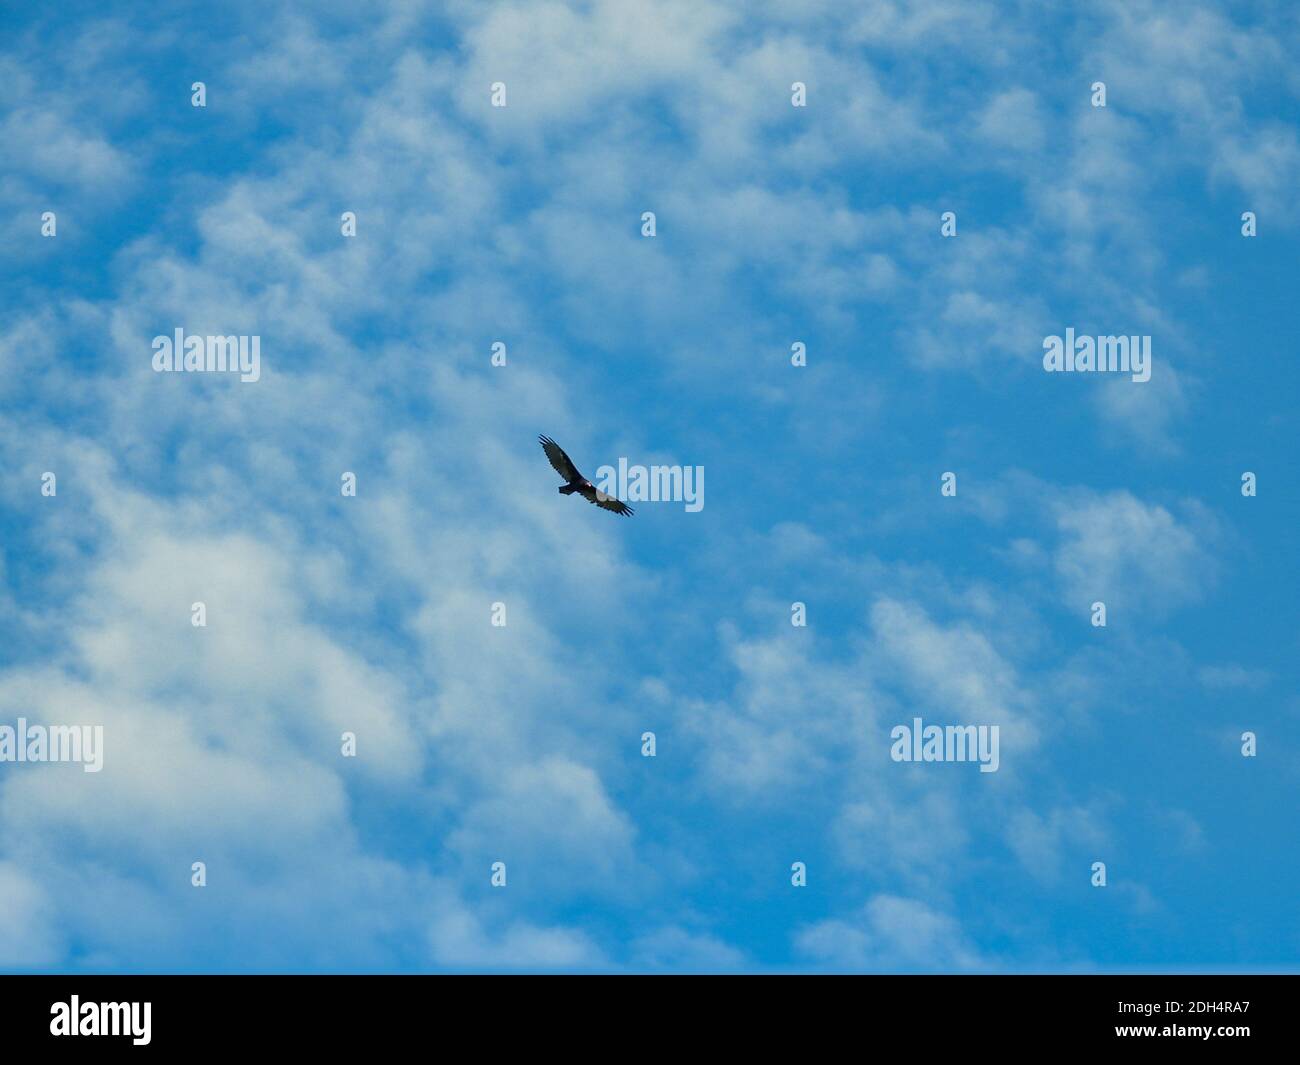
x=576, y=482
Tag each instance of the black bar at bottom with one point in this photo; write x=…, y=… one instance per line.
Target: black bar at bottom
x=613, y=1015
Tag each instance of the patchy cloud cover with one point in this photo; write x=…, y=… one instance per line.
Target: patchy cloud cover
x=328, y=614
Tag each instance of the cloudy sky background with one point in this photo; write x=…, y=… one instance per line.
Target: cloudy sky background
x=522, y=744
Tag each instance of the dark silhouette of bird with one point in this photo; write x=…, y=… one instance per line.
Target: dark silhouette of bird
x=576, y=482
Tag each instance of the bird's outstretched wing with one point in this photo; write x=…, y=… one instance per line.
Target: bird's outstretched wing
x=607, y=502
x=563, y=464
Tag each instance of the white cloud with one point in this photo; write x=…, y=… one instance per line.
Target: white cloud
x=1133, y=556
x=1064, y=837
x=954, y=671
x=891, y=933
x=458, y=939
x=27, y=936
x=1013, y=120
x=1233, y=676
x=675, y=949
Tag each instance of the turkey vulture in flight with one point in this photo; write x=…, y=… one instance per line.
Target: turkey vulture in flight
x=577, y=482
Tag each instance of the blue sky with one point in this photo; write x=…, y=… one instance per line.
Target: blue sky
x=522, y=743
